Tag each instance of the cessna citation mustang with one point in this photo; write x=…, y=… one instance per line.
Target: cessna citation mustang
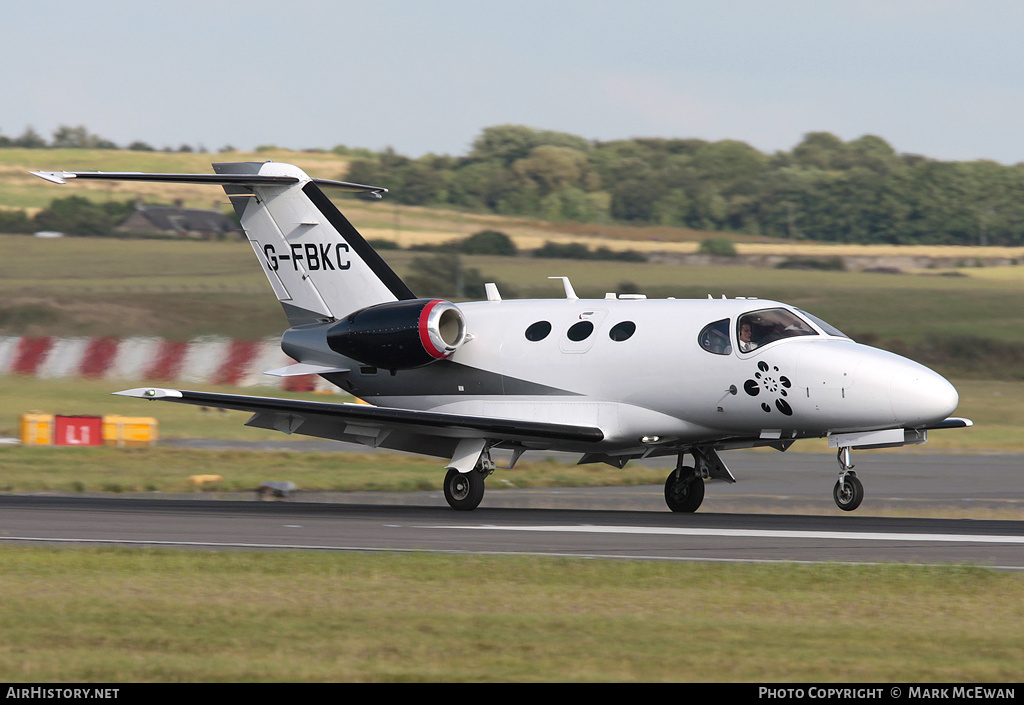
x=613, y=379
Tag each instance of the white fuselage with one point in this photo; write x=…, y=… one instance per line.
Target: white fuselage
x=659, y=382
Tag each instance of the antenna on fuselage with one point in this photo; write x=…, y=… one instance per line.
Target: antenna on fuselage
x=569, y=293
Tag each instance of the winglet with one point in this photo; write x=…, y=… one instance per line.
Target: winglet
x=57, y=177
x=951, y=422
x=150, y=393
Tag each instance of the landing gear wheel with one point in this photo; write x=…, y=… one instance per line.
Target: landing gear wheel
x=848, y=493
x=463, y=491
x=684, y=491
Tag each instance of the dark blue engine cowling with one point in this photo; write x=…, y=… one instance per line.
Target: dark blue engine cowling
x=400, y=335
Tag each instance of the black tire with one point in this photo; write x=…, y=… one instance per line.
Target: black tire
x=463, y=491
x=850, y=495
x=684, y=493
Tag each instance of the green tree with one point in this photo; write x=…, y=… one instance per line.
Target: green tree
x=634, y=199
x=718, y=246
x=65, y=137
x=480, y=185
x=14, y=221
x=29, y=139
x=552, y=168
x=727, y=162
x=489, y=242
x=75, y=215
x=507, y=143
x=576, y=204
x=444, y=275
x=504, y=144
x=821, y=150
x=421, y=184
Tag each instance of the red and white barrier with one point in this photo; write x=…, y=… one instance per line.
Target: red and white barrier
x=153, y=361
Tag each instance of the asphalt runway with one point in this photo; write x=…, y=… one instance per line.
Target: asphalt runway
x=779, y=511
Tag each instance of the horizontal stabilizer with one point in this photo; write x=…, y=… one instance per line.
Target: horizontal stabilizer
x=150, y=393
x=62, y=177
x=305, y=368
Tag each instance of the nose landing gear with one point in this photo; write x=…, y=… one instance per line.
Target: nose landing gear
x=848, y=492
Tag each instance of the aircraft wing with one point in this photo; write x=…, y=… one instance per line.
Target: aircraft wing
x=428, y=432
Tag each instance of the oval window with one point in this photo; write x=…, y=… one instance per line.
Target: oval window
x=580, y=331
x=538, y=331
x=622, y=331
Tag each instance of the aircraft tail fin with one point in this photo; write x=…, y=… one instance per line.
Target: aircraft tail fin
x=317, y=263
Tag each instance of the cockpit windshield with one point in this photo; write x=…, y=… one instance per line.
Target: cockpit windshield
x=824, y=325
x=758, y=328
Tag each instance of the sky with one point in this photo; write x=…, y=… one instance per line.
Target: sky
x=940, y=78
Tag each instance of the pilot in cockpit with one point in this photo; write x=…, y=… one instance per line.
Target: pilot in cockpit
x=746, y=344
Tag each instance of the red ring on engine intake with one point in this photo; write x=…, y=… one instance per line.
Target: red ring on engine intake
x=425, y=340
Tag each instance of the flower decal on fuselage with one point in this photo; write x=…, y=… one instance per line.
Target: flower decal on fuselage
x=767, y=379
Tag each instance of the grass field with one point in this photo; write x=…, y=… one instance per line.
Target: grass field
x=123, y=616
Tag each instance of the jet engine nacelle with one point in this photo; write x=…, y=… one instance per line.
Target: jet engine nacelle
x=400, y=335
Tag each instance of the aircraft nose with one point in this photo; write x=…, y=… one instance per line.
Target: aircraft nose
x=920, y=396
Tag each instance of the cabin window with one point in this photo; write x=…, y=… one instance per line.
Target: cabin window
x=758, y=328
x=622, y=331
x=715, y=337
x=580, y=331
x=538, y=331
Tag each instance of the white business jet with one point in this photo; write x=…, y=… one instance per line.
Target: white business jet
x=613, y=379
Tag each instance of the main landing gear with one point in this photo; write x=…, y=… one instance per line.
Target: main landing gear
x=848, y=492
x=684, y=488
x=464, y=490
